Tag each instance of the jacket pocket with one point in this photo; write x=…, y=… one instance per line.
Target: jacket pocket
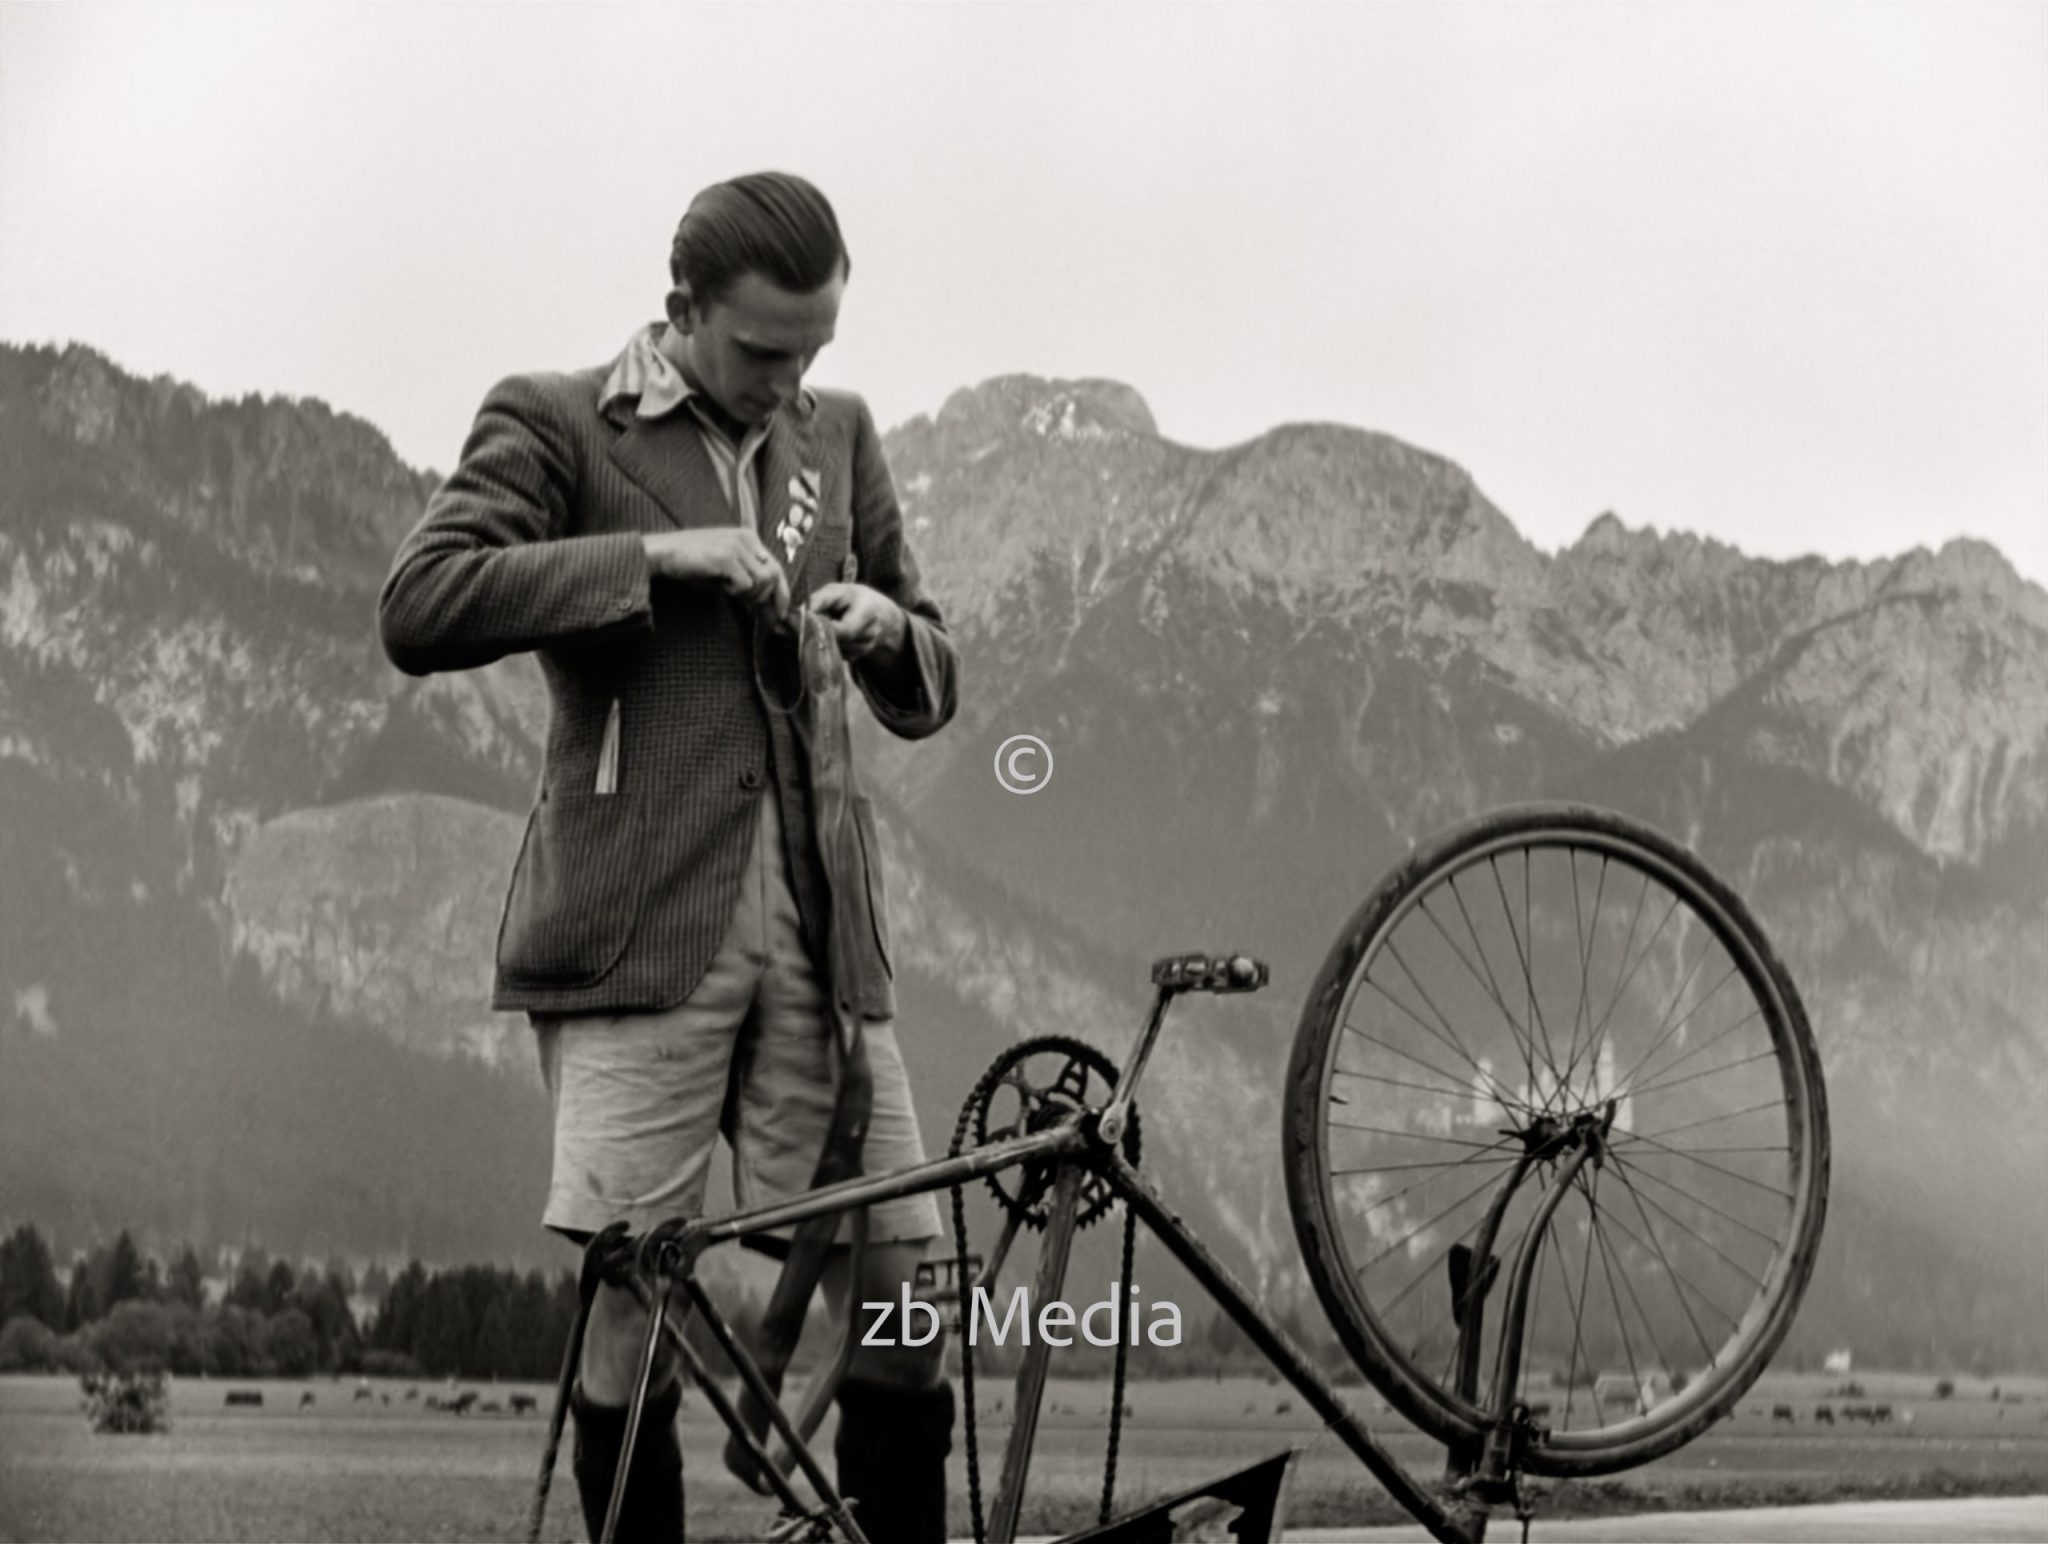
x=576, y=892
x=871, y=867
x=608, y=753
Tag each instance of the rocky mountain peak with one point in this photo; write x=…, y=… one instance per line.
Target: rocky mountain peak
x=1968, y=566
x=1336, y=506
x=1053, y=409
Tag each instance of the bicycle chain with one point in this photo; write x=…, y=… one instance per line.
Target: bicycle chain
x=1022, y=1206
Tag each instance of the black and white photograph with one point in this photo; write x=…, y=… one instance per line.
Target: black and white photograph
x=1122, y=772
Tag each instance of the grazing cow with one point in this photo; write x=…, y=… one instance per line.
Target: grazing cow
x=523, y=1404
x=1880, y=1413
x=412, y=1393
x=305, y=1399
x=1824, y=1415
x=1783, y=1413
x=245, y=1396
x=462, y=1404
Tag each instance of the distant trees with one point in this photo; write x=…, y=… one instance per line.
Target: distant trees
x=28, y=1279
x=121, y=1311
x=476, y=1321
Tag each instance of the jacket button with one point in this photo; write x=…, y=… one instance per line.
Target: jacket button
x=750, y=778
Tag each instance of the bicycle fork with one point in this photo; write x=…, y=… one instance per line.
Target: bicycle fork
x=1486, y=1470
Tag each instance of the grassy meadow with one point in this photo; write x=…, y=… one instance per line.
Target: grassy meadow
x=384, y=1467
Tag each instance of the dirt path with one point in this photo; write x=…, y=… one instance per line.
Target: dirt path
x=1970, y=1520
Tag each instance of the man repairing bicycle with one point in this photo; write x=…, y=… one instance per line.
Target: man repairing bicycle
x=641, y=526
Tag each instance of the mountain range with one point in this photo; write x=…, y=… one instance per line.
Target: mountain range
x=254, y=873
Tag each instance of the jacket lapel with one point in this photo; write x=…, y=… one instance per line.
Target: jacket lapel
x=788, y=456
x=666, y=458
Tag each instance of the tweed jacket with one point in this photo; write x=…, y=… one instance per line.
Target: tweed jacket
x=660, y=742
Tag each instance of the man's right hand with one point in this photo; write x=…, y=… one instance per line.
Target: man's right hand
x=728, y=555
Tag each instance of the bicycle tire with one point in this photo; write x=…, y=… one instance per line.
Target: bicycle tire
x=1396, y=1346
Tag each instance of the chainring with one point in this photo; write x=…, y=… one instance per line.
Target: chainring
x=1009, y=1101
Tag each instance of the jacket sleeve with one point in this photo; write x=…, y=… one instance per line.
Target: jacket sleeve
x=491, y=568
x=916, y=694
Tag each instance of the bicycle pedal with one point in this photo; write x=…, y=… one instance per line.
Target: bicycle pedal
x=1210, y=973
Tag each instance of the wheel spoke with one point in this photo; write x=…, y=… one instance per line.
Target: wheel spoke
x=1534, y=1009
x=1704, y=1205
x=1707, y=1045
x=1453, y=1041
x=1487, y=981
x=1649, y=948
x=1649, y=1324
x=1693, y=1077
x=1657, y=1247
x=1428, y=1029
x=1419, y=1136
x=1620, y=1313
x=1661, y=1039
x=1713, y=1120
x=1424, y=1227
x=1454, y=1089
x=1694, y=1234
x=1524, y=1036
x=1678, y=1284
x=1583, y=1013
x=1693, y=1155
x=1429, y=1269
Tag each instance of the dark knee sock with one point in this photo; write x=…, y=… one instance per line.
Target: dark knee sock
x=652, y=1509
x=891, y=1451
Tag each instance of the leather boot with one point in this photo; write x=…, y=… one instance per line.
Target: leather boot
x=652, y=1510
x=891, y=1451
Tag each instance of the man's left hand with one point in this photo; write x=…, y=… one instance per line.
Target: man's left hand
x=865, y=622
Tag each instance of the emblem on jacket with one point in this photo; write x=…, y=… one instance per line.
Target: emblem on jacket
x=804, y=490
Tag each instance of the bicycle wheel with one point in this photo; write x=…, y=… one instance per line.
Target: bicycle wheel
x=1544, y=970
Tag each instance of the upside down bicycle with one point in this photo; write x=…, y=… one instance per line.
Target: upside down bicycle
x=1554, y=1124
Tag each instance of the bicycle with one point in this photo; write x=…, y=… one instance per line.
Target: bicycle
x=1444, y=1112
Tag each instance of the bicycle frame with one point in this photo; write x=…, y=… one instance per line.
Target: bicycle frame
x=1081, y=1144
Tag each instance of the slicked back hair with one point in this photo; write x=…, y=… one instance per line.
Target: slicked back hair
x=770, y=223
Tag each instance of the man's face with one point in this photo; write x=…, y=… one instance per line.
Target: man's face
x=750, y=348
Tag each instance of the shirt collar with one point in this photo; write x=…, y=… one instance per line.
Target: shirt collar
x=645, y=383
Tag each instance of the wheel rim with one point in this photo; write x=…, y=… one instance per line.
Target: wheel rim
x=1529, y=979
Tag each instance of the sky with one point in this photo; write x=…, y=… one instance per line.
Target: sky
x=1773, y=274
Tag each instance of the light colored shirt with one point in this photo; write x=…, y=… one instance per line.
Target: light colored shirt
x=646, y=381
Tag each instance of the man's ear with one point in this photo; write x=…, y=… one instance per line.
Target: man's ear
x=682, y=309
